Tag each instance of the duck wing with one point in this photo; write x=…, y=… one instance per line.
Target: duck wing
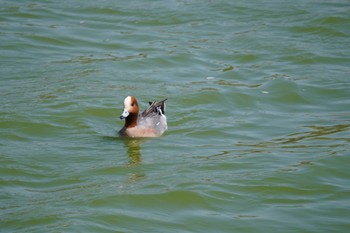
x=155, y=108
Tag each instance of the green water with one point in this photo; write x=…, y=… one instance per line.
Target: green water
x=258, y=113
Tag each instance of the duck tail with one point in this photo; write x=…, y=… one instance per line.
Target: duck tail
x=158, y=107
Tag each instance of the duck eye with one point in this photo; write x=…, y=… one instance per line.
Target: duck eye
x=132, y=104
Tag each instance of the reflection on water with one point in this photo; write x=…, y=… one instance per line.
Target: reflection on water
x=133, y=148
x=107, y=57
x=317, y=133
x=295, y=140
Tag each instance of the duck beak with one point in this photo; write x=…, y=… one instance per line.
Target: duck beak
x=125, y=114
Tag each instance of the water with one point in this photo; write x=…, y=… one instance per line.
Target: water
x=258, y=114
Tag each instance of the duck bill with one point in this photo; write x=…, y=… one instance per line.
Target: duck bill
x=125, y=114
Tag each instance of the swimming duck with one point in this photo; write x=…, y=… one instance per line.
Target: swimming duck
x=151, y=123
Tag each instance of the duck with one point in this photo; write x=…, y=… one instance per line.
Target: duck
x=150, y=123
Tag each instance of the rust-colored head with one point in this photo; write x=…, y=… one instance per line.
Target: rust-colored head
x=131, y=111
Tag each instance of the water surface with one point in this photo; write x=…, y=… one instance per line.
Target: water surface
x=258, y=114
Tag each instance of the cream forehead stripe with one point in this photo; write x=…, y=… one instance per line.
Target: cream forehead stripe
x=127, y=101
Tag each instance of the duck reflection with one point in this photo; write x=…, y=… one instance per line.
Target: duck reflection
x=133, y=148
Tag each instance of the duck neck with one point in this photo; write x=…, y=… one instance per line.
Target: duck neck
x=131, y=120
